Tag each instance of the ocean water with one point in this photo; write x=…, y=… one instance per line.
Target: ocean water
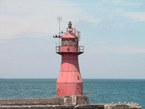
x=98, y=90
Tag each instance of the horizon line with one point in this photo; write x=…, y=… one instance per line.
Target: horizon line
x=82, y=78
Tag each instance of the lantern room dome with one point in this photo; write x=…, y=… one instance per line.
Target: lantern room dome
x=68, y=36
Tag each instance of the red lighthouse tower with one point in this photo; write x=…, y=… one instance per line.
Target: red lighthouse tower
x=69, y=82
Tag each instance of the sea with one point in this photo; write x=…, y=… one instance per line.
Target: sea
x=98, y=90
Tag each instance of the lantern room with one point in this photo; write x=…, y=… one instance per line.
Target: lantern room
x=70, y=41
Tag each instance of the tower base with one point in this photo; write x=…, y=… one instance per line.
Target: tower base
x=74, y=100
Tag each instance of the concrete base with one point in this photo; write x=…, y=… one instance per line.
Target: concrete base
x=32, y=101
x=74, y=100
x=89, y=106
x=109, y=106
x=61, y=102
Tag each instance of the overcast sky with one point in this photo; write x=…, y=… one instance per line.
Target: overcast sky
x=112, y=32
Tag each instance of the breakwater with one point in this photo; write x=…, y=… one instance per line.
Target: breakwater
x=63, y=102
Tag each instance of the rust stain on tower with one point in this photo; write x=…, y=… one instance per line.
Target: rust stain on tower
x=69, y=81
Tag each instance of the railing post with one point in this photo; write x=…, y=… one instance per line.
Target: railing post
x=58, y=48
x=78, y=48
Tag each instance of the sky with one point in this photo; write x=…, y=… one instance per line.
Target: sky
x=112, y=33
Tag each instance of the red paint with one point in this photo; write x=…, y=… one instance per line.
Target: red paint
x=69, y=81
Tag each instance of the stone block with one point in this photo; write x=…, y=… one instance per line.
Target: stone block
x=33, y=101
x=74, y=100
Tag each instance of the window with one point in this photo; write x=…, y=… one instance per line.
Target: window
x=69, y=42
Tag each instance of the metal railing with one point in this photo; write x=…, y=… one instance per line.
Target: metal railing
x=74, y=31
x=58, y=48
x=80, y=49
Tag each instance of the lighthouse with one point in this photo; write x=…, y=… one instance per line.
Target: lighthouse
x=69, y=82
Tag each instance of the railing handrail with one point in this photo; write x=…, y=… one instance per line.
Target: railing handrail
x=80, y=49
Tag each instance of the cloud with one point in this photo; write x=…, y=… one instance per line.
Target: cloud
x=113, y=49
x=104, y=0
x=23, y=17
x=133, y=4
x=129, y=31
x=106, y=22
x=116, y=2
x=105, y=30
x=120, y=2
x=107, y=26
x=119, y=10
x=3, y=41
x=136, y=16
x=86, y=23
x=6, y=56
x=8, y=60
x=98, y=4
x=92, y=42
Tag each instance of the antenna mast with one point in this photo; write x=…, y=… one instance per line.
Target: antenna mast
x=59, y=19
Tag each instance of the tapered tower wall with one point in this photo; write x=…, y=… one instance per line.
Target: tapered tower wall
x=69, y=81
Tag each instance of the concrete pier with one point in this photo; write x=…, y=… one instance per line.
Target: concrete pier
x=62, y=102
